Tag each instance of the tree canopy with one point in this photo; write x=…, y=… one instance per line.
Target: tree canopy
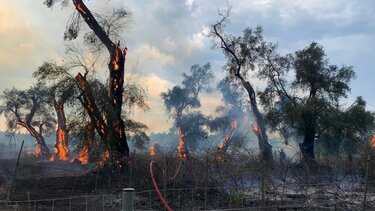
x=303, y=97
x=180, y=101
x=29, y=109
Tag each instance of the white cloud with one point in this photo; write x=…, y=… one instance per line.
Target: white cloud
x=147, y=53
x=199, y=39
x=166, y=37
x=189, y=3
x=156, y=119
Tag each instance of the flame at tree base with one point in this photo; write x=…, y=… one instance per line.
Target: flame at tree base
x=152, y=150
x=104, y=158
x=228, y=138
x=83, y=155
x=182, y=153
x=61, y=149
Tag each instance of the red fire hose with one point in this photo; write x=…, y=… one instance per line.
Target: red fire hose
x=157, y=188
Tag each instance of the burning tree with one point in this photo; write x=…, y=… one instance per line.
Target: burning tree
x=65, y=90
x=309, y=105
x=29, y=110
x=61, y=147
x=180, y=100
x=223, y=147
x=110, y=126
x=243, y=53
x=62, y=91
x=230, y=116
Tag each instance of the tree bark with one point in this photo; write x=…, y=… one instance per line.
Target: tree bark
x=88, y=102
x=41, y=149
x=84, y=152
x=115, y=93
x=116, y=66
x=307, y=146
x=62, y=145
x=260, y=129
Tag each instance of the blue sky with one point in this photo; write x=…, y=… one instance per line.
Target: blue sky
x=166, y=37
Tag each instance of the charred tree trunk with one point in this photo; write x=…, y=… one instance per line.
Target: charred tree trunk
x=228, y=138
x=84, y=152
x=90, y=134
x=115, y=93
x=116, y=126
x=307, y=146
x=260, y=129
x=41, y=149
x=310, y=123
x=88, y=102
x=62, y=146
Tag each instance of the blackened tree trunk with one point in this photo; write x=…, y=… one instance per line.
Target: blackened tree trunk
x=62, y=145
x=115, y=93
x=307, y=146
x=88, y=102
x=84, y=151
x=237, y=64
x=310, y=124
x=115, y=132
x=260, y=129
x=41, y=149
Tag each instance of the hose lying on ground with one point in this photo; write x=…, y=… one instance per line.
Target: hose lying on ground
x=157, y=188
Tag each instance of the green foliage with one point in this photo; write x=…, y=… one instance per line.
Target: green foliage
x=135, y=97
x=314, y=74
x=180, y=100
x=30, y=106
x=310, y=102
x=113, y=24
x=61, y=85
x=347, y=130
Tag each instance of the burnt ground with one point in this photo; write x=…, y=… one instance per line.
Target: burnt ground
x=42, y=179
x=291, y=185
x=6, y=171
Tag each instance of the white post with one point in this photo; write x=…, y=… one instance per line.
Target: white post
x=127, y=199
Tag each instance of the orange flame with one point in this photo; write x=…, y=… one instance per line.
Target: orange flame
x=79, y=8
x=180, y=149
x=83, y=155
x=105, y=157
x=228, y=138
x=152, y=150
x=255, y=129
x=116, y=61
x=373, y=140
x=62, y=148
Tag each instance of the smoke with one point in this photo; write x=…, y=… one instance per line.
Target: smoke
x=10, y=146
x=208, y=132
